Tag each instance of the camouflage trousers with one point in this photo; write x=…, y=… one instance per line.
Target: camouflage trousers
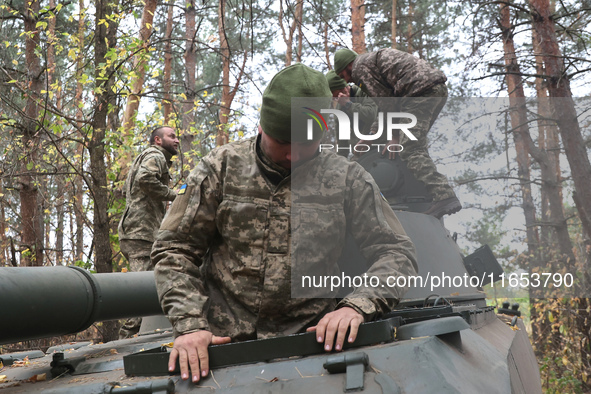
x=137, y=253
x=426, y=108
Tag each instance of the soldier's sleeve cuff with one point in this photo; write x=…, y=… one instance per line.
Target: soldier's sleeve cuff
x=362, y=305
x=171, y=195
x=188, y=325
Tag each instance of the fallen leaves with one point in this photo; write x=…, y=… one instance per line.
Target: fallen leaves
x=37, y=378
x=21, y=363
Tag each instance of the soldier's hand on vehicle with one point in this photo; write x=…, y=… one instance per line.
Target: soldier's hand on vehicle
x=191, y=351
x=336, y=324
x=393, y=141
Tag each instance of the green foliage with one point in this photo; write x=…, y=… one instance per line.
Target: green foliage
x=559, y=382
x=84, y=265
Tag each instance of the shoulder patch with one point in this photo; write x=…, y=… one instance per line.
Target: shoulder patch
x=182, y=190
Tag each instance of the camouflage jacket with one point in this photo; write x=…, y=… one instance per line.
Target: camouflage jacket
x=146, y=192
x=393, y=73
x=225, y=252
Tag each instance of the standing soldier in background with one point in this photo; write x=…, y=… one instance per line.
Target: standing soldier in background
x=393, y=73
x=147, y=193
x=351, y=99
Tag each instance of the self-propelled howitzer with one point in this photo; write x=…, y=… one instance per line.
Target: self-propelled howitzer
x=440, y=339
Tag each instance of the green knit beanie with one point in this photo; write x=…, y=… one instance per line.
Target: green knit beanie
x=342, y=58
x=334, y=81
x=287, y=120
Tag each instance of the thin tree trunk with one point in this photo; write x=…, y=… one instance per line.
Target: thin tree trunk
x=519, y=127
x=222, y=134
x=140, y=60
x=299, y=18
x=59, y=225
x=326, y=48
x=32, y=232
x=190, y=64
x=59, y=180
x=227, y=93
x=167, y=102
x=358, y=25
x=4, y=254
x=523, y=144
x=287, y=39
x=139, y=64
x=563, y=109
x=77, y=187
x=564, y=112
x=550, y=144
x=409, y=31
x=105, y=38
x=288, y=36
x=549, y=179
x=394, y=22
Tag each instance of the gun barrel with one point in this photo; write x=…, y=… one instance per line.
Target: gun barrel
x=38, y=302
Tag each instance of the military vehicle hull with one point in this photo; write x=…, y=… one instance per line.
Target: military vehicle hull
x=487, y=356
x=440, y=339
x=450, y=342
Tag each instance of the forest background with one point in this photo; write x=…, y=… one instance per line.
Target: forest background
x=83, y=82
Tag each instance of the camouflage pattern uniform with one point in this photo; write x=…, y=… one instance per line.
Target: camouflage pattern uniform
x=224, y=252
x=147, y=193
x=367, y=109
x=393, y=73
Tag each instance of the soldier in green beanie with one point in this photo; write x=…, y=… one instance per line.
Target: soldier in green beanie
x=393, y=73
x=351, y=99
x=225, y=254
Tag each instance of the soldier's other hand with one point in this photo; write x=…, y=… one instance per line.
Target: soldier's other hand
x=344, y=96
x=334, y=325
x=393, y=141
x=191, y=351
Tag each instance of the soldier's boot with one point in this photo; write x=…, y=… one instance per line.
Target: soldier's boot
x=446, y=206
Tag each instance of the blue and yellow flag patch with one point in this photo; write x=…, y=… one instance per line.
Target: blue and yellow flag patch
x=182, y=189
